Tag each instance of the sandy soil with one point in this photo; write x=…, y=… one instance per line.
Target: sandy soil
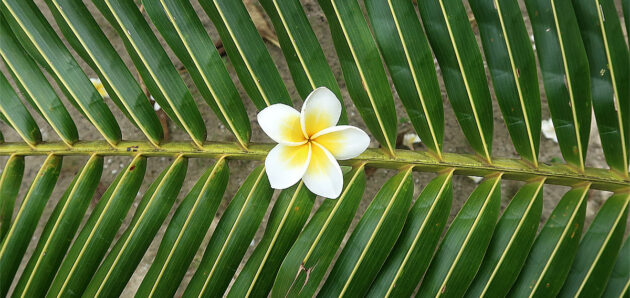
x=454, y=142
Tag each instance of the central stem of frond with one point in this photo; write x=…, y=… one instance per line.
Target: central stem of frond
x=464, y=164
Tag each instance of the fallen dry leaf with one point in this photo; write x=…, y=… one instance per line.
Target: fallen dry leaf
x=258, y=17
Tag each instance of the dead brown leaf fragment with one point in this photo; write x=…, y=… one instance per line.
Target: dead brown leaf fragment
x=258, y=17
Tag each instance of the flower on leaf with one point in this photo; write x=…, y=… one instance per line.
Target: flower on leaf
x=310, y=143
x=99, y=87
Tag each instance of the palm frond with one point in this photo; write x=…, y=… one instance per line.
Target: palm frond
x=395, y=247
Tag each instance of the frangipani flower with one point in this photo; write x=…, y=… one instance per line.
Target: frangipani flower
x=99, y=87
x=309, y=143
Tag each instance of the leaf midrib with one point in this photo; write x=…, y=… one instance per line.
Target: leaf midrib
x=464, y=164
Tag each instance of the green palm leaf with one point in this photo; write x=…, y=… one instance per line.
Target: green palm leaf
x=362, y=69
x=508, y=51
x=307, y=262
x=555, y=247
x=232, y=236
x=372, y=239
x=191, y=44
x=91, y=43
x=16, y=115
x=167, y=86
x=603, y=40
x=98, y=233
x=59, y=231
x=513, y=237
x=598, y=249
x=182, y=237
x=287, y=218
x=618, y=285
x=34, y=86
x=17, y=238
x=412, y=254
x=410, y=64
x=140, y=238
x=11, y=176
x=119, y=264
x=301, y=49
x=25, y=18
x=246, y=50
x=459, y=254
x=564, y=67
x=455, y=48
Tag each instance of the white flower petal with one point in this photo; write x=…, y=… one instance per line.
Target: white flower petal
x=409, y=139
x=323, y=176
x=156, y=106
x=99, y=87
x=321, y=110
x=476, y=179
x=282, y=124
x=548, y=131
x=344, y=141
x=285, y=165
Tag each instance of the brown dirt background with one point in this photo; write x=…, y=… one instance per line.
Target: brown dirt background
x=454, y=141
